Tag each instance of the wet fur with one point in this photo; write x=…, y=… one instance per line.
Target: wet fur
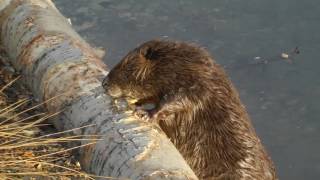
x=198, y=108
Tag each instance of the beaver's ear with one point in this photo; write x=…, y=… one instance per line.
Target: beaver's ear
x=146, y=63
x=149, y=54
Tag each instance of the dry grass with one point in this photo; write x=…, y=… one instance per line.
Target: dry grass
x=26, y=154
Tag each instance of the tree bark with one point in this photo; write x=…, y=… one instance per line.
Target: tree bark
x=56, y=62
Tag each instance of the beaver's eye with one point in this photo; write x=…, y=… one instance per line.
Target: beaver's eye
x=126, y=75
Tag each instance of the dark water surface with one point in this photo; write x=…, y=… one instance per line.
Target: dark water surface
x=247, y=38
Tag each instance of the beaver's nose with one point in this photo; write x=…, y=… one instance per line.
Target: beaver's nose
x=105, y=82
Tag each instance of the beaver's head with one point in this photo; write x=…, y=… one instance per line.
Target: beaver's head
x=158, y=68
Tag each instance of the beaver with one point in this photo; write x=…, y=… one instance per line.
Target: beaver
x=197, y=107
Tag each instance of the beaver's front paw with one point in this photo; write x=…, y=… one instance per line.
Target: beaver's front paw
x=160, y=116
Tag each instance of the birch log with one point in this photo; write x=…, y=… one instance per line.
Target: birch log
x=53, y=60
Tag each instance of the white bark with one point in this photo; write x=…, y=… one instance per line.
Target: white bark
x=54, y=60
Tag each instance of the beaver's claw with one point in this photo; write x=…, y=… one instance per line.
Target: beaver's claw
x=142, y=114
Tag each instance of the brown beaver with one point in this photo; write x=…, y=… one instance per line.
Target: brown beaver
x=197, y=107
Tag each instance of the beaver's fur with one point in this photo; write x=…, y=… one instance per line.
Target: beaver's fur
x=198, y=108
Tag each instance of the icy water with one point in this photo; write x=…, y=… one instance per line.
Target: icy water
x=247, y=38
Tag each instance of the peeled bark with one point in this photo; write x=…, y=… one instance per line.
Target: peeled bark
x=56, y=62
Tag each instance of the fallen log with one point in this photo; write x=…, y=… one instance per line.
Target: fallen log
x=55, y=62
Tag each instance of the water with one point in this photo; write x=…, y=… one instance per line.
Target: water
x=247, y=38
